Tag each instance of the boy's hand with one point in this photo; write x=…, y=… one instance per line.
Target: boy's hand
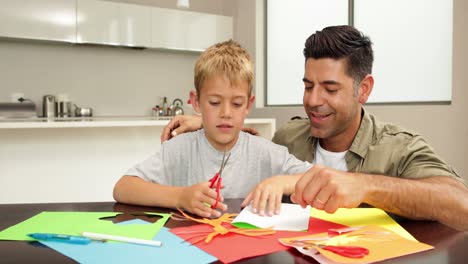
x=266, y=196
x=198, y=198
x=181, y=124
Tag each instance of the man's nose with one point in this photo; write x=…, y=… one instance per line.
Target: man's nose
x=314, y=97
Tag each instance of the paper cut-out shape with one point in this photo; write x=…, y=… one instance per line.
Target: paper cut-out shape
x=149, y=218
x=219, y=229
x=73, y=223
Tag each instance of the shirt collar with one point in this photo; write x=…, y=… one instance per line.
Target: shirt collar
x=363, y=138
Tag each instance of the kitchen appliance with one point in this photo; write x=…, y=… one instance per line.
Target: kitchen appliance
x=26, y=109
x=83, y=111
x=48, y=106
x=63, y=105
x=177, y=107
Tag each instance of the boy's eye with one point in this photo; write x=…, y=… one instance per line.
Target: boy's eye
x=238, y=104
x=214, y=102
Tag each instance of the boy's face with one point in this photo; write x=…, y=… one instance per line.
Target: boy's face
x=223, y=108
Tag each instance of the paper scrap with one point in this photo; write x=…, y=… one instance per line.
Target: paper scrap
x=292, y=217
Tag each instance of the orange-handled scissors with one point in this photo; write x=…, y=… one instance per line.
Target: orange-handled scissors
x=217, y=178
x=345, y=251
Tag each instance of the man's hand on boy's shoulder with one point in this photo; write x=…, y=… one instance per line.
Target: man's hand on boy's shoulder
x=251, y=131
x=180, y=124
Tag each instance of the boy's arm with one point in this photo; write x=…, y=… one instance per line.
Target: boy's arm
x=134, y=190
x=266, y=196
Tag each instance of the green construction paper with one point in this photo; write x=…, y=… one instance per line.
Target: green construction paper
x=73, y=223
x=244, y=225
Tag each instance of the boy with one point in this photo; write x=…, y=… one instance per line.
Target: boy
x=178, y=175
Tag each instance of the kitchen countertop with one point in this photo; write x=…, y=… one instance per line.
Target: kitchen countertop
x=109, y=121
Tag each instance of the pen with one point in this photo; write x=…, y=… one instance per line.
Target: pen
x=61, y=238
x=121, y=239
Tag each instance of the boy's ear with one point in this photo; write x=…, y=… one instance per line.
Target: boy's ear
x=250, y=104
x=194, y=100
x=365, y=88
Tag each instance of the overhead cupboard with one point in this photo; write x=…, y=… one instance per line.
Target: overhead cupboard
x=112, y=23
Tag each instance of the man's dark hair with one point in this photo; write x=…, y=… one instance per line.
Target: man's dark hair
x=339, y=42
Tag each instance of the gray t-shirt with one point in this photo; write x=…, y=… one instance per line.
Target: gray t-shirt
x=189, y=159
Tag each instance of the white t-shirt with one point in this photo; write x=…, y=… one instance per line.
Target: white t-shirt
x=335, y=160
x=189, y=159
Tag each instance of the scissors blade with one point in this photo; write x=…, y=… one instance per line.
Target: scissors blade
x=223, y=163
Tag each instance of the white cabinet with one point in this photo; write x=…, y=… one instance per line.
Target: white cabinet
x=135, y=25
x=110, y=23
x=186, y=30
x=38, y=19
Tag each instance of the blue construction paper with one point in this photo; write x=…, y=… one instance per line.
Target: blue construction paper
x=173, y=250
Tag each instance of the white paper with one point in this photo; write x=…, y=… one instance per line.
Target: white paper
x=292, y=217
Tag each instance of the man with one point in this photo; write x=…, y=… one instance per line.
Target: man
x=359, y=159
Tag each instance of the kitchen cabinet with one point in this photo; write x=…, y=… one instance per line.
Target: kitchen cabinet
x=78, y=160
x=186, y=30
x=110, y=23
x=38, y=19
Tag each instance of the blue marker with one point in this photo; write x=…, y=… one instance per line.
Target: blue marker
x=61, y=238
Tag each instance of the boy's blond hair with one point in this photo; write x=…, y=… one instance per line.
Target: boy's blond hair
x=227, y=59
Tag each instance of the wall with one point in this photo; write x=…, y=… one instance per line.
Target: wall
x=444, y=126
x=117, y=81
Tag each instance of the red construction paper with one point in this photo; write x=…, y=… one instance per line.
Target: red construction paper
x=232, y=247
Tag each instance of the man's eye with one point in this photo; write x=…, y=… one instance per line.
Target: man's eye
x=308, y=88
x=332, y=90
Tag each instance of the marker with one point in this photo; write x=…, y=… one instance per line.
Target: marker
x=90, y=235
x=61, y=238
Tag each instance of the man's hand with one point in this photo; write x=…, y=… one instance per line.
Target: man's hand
x=198, y=198
x=266, y=196
x=181, y=124
x=328, y=189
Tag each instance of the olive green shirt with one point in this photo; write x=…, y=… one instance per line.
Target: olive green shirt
x=378, y=148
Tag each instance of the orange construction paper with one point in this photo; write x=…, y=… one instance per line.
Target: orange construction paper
x=382, y=244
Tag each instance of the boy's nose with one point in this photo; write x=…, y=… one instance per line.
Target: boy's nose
x=226, y=111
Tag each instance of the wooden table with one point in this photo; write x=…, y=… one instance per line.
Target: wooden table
x=451, y=246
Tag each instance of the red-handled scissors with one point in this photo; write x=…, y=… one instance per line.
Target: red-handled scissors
x=217, y=178
x=345, y=251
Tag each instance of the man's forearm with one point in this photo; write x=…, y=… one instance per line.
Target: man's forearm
x=433, y=198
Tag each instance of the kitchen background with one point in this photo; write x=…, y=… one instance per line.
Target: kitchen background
x=127, y=82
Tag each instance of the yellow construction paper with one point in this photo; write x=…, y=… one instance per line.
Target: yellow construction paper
x=382, y=244
x=362, y=217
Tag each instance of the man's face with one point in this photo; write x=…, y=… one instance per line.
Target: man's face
x=224, y=107
x=330, y=101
